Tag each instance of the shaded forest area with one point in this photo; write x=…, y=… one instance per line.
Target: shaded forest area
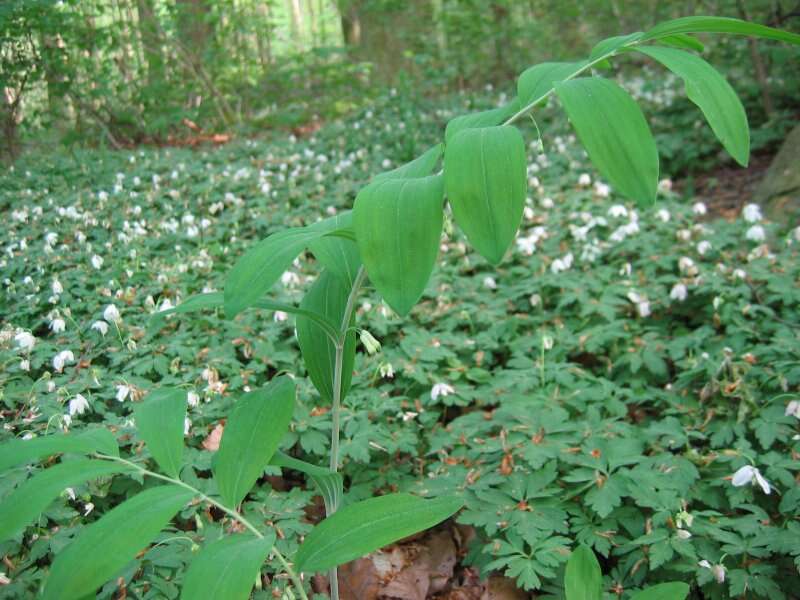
x=125, y=72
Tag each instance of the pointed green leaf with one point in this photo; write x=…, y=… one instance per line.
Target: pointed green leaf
x=583, y=579
x=537, y=81
x=261, y=266
x=612, y=44
x=682, y=40
x=337, y=254
x=486, y=118
x=712, y=93
x=329, y=483
x=360, y=528
x=421, y=166
x=226, y=568
x=256, y=426
x=327, y=297
x=21, y=451
x=160, y=422
x=31, y=497
x=614, y=132
x=398, y=225
x=485, y=180
x=104, y=547
x=674, y=590
x=216, y=300
x=702, y=24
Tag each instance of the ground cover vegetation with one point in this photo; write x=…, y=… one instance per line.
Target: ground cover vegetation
x=647, y=413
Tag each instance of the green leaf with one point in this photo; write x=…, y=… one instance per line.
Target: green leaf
x=682, y=40
x=261, y=266
x=674, y=590
x=227, y=568
x=360, y=528
x=27, y=501
x=216, y=300
x=398, y=225
x=712, y=93
x=537, y=81
x=329, y=483
x=254, y=429
x=610, y=45
x=614, y=132
x=486, y=118
x=421, y=166
x=337, y=254
x=583, y=579
x=702, y=24
x=160, y=422
x=21, y=451
x=327, y=297
x=104, y=547
x=485, y=179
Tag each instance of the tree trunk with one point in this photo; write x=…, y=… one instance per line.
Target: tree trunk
x=150, y=33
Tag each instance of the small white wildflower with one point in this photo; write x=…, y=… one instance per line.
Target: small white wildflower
x=78, y=405
x=193, y=399
x=372, y=345
x=535, y=300
x=703, y=247
x=111, y=314
x=584, y=180
x=290, y=279
x=25, y=340
x=547, y=342
x=740, y=274
x=752, y=213
x=562, y=264
x=187, y=425
x=663, y=215
x=62, y=359
x=123, y=391
x=57, y=325
x=57, y=287
x=683, y=534
x=280, y=316
x=97, y=261
x=25, y=364
x=441, y=389
x=602, y=190
x=100, y=326
x=684, y=519
x=679, y=292
x=756, y=234
x=699, y=208
x=793, y=409
x=489, y=283
x=665, y=185
x=617, y=211
x=750, y=475
x=386, y=370
x=87, y=508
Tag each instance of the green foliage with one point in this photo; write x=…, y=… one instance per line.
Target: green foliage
x=398, y=225
x=578, y=402
x=613, y=129
x=227, y=568
x=360, y=528
x=252, y=434
x=485, y=184
x=103, y=548
x=160, y=422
